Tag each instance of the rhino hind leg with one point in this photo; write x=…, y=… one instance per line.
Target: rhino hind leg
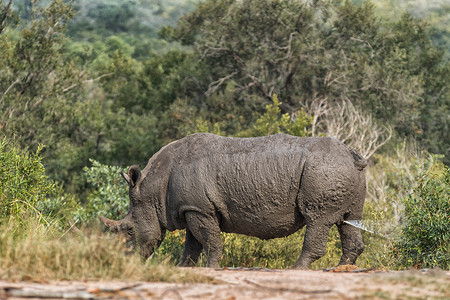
x=352, y=244
x=206, y=230
x=191, y=251
x=314, y=245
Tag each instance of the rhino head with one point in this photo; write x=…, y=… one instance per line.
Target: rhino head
x=140, y=227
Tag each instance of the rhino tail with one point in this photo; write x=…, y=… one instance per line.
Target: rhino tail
x=359, y=161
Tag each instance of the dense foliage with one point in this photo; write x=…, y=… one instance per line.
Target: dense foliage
x=425, y=240
x=104, y=101
x=109, y=197
x=23, y=182
x=104, y=84
x=25, y=189
x=324, y=52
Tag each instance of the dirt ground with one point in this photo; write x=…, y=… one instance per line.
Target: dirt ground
x=252, y=284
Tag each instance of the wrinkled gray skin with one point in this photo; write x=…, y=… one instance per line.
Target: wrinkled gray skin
x=267, y=187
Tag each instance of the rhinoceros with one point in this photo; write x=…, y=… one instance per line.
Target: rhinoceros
x=267, y=187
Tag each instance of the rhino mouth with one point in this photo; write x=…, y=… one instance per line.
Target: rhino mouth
x=148, y=249
x=147, y=253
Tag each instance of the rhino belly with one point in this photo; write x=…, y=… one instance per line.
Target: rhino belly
x=264, y=224
x=259, y=191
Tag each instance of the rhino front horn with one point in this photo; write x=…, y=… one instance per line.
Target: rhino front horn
x=111, y=224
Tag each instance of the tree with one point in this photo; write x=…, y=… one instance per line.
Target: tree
x=329, y=50
x=29, y=61
x=45, y=97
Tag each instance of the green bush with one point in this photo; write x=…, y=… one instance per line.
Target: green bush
x=23, y=182
x=171, y=248
x=25, y=188
x=109, y=197
x=246, y=251
x=425, y=239
x=273, y=121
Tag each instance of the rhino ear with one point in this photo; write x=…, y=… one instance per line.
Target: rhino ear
x=134, y=173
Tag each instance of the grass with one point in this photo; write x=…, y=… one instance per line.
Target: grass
x=34, y=251
x=38, y=252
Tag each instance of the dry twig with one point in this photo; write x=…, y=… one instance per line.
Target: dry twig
x=350, y=125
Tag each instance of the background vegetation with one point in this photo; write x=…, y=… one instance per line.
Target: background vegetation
x=105, y=84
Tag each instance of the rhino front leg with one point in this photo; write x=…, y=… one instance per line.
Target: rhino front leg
x=191, y=251
x=207, y=231
x=352, y=244
x=314, y=245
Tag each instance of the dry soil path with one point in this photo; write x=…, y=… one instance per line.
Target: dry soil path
x=251, y=284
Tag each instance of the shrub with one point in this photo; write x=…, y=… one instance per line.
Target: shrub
x=425, y=239
x=273, y=121
x=246, y=251
x=25, y=189
x=109, y=197
x=171, y=247
x=23, y=182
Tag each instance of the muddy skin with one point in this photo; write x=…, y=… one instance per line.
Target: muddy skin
x=267, y=187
